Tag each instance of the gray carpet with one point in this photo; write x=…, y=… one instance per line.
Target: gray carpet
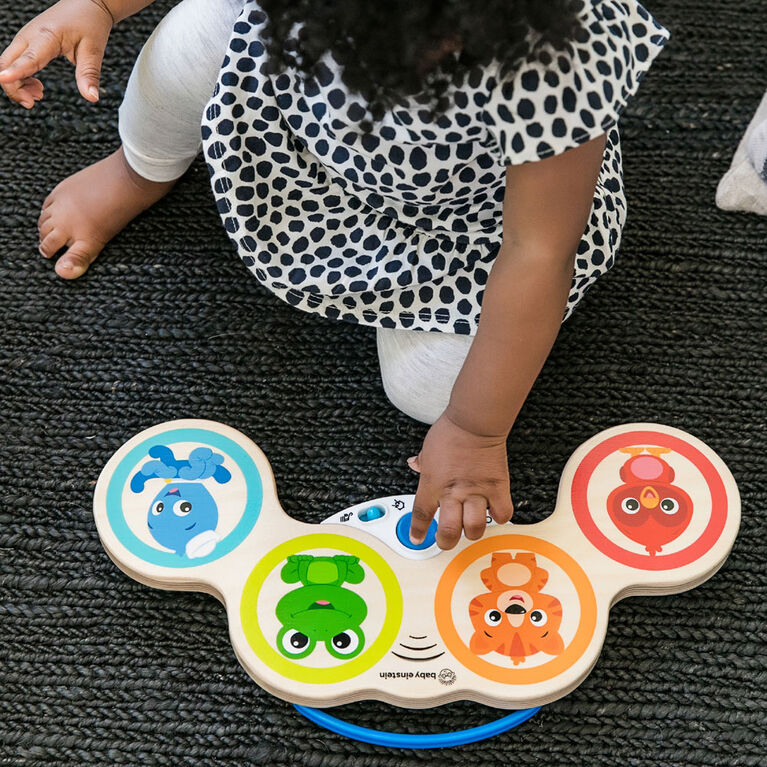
x=97, y=669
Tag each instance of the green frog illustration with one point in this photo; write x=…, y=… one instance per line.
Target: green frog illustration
x=320, y=609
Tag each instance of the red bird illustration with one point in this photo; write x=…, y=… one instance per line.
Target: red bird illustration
x=648, y=508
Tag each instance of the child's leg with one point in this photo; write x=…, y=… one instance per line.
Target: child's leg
x=418, y=369
x=160, y=118
x=171, y=82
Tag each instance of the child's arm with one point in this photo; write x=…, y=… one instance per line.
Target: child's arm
x=76, y=29
x=463, y=462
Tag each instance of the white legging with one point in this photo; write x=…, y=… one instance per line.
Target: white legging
x=159, y=124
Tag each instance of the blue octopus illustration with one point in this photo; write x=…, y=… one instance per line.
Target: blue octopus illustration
x=183, y=516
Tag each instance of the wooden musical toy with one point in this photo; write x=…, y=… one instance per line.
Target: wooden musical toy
x=350, y=609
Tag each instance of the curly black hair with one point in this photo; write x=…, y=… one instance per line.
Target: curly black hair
x=389, y=50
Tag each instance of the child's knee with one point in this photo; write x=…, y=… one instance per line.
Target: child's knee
x=182, y=58
x=413, y=398
x=171, y=82
x=418, y=370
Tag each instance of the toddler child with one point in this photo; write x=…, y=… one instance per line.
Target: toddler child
x=448, y=172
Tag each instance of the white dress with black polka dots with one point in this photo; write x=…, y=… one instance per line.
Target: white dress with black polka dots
x=399, y=227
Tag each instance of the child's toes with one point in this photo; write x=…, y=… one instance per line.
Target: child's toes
x=44, y=219
x=47, y=203
x=45, y=223
x=52, y=242
x=77, y=259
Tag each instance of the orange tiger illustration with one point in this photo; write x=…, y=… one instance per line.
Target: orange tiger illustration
x=514, y=618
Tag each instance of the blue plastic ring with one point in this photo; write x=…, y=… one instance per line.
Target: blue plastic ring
x=405, y=740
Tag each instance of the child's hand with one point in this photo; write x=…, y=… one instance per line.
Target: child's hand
x=465, y=475
x=76, y=29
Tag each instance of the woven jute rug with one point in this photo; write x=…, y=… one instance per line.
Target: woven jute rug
x=97, y=669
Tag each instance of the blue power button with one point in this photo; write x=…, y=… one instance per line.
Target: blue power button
x=403, y=533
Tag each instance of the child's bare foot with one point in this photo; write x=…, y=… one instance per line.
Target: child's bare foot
x=90, y=207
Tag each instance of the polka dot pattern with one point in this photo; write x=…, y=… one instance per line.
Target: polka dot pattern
x=399, y=228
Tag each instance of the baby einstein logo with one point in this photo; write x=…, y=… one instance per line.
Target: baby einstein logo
x=446, y=676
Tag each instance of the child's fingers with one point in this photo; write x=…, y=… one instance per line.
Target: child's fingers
x=88, y=60
x=32, y=59
x=424, y=508
x=26, y=92
x=11, y=87
x=501, y=508
x=474, y=516
x=9, y=55
x=31, y=88
x=450, y=523
x=14, y=93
